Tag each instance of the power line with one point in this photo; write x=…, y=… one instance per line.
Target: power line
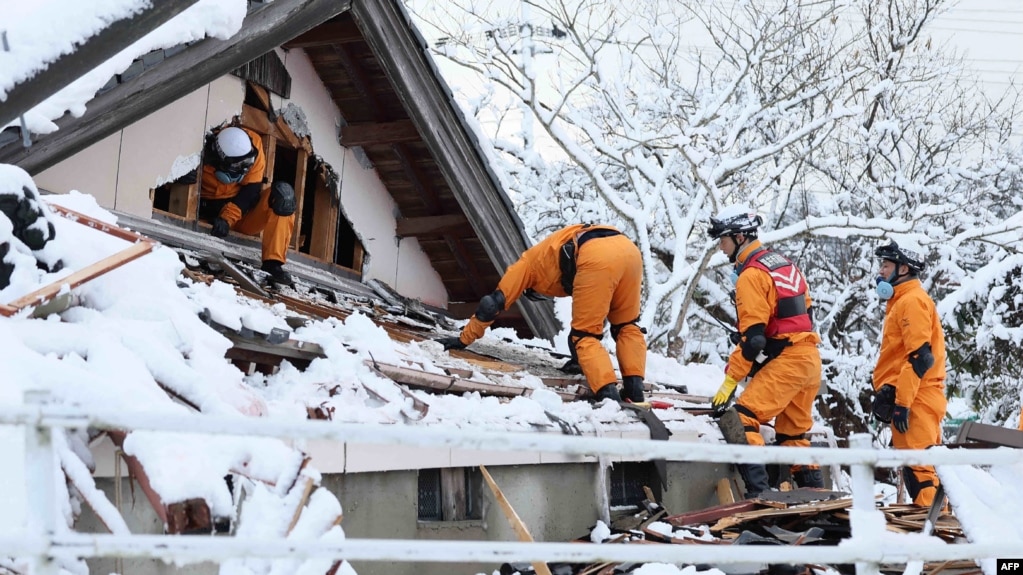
x=1008, y=32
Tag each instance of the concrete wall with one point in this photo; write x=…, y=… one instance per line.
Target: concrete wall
x=120, y=170
x=557, y=502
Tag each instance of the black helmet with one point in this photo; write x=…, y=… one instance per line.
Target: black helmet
x=735, y=219
x=892, y=252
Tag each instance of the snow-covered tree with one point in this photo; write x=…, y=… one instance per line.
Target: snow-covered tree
x=841, y=122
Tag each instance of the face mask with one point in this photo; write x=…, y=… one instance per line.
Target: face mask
x=884, y=289
x=226, y=178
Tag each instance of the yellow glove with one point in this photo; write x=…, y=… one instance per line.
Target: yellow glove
x=724, y=394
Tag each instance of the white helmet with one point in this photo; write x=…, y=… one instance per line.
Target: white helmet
x=233, y=142
x=232, y=154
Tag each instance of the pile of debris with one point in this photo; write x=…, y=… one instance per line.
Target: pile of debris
x=795, y=517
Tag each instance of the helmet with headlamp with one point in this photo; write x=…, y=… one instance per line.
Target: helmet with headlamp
x=232, y=155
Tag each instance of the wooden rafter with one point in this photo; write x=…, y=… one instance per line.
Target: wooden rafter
x=340, y=31
x=367, y=134
x=455, y=224
x=432, y=201
x=359, y=80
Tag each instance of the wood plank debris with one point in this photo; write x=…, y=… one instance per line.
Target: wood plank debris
x=797, y=517
x=517, y=524
x=448, y=383
x=140, y=246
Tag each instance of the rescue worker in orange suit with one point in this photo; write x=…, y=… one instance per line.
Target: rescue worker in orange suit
x=909, y=378
x=233, y=196
x=603, y=272
x=777, y=347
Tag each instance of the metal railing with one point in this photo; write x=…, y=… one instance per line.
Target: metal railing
x=865, y=547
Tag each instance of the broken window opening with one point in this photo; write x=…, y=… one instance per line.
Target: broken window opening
x=324, y=232
x=628, y=479
x=453, y=494
x=321, y=231
x=178, y=199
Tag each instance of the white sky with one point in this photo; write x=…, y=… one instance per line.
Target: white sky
x=137, y=327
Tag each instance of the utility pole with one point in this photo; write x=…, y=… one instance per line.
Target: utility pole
x=526, y=52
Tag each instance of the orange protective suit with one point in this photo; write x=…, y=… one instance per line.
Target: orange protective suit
x=783, y=388
x=276, y=230
x=609, y=275
x=911, y=320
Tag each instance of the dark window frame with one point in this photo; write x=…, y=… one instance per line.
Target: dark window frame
x=449, y=494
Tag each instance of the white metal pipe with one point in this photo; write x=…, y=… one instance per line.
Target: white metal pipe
x=863, y=518
x=187, y=548
x=425, y=436
x=40, y=486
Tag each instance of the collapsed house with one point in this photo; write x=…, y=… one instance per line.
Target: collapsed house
x=400, y=221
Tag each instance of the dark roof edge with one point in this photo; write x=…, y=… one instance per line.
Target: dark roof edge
x=197, y=65
x=402, y=52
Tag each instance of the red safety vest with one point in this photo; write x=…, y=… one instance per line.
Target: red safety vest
x=791, y=315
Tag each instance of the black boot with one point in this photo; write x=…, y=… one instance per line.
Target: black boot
x=809, y=477
x=754, y=475
x=277, y=273
x=632, y=388
x=731, y=427
x=609, y=391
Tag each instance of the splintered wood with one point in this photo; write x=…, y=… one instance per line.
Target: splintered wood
x=796, y=517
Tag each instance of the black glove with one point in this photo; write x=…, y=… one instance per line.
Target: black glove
x=735, y=337
x=884, y=403
x=450, y=342
x=900, y=418
x=220, y=228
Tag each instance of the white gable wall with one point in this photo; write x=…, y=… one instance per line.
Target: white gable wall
x=120, y=170
x=366, y=203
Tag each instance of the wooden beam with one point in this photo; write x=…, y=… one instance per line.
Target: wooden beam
x=711, y=513
x=48, y=292
x=993, y=435
x=93, y=52
x=337, y=31
x=326, y=211
x=367, y=134
x=181, y=74
x=439, y=382
x=360, y=81
x=136, y=471
x=517, y=524
x=302, y=165
x=455, y=224
x=292, y=350
x=432, y=202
